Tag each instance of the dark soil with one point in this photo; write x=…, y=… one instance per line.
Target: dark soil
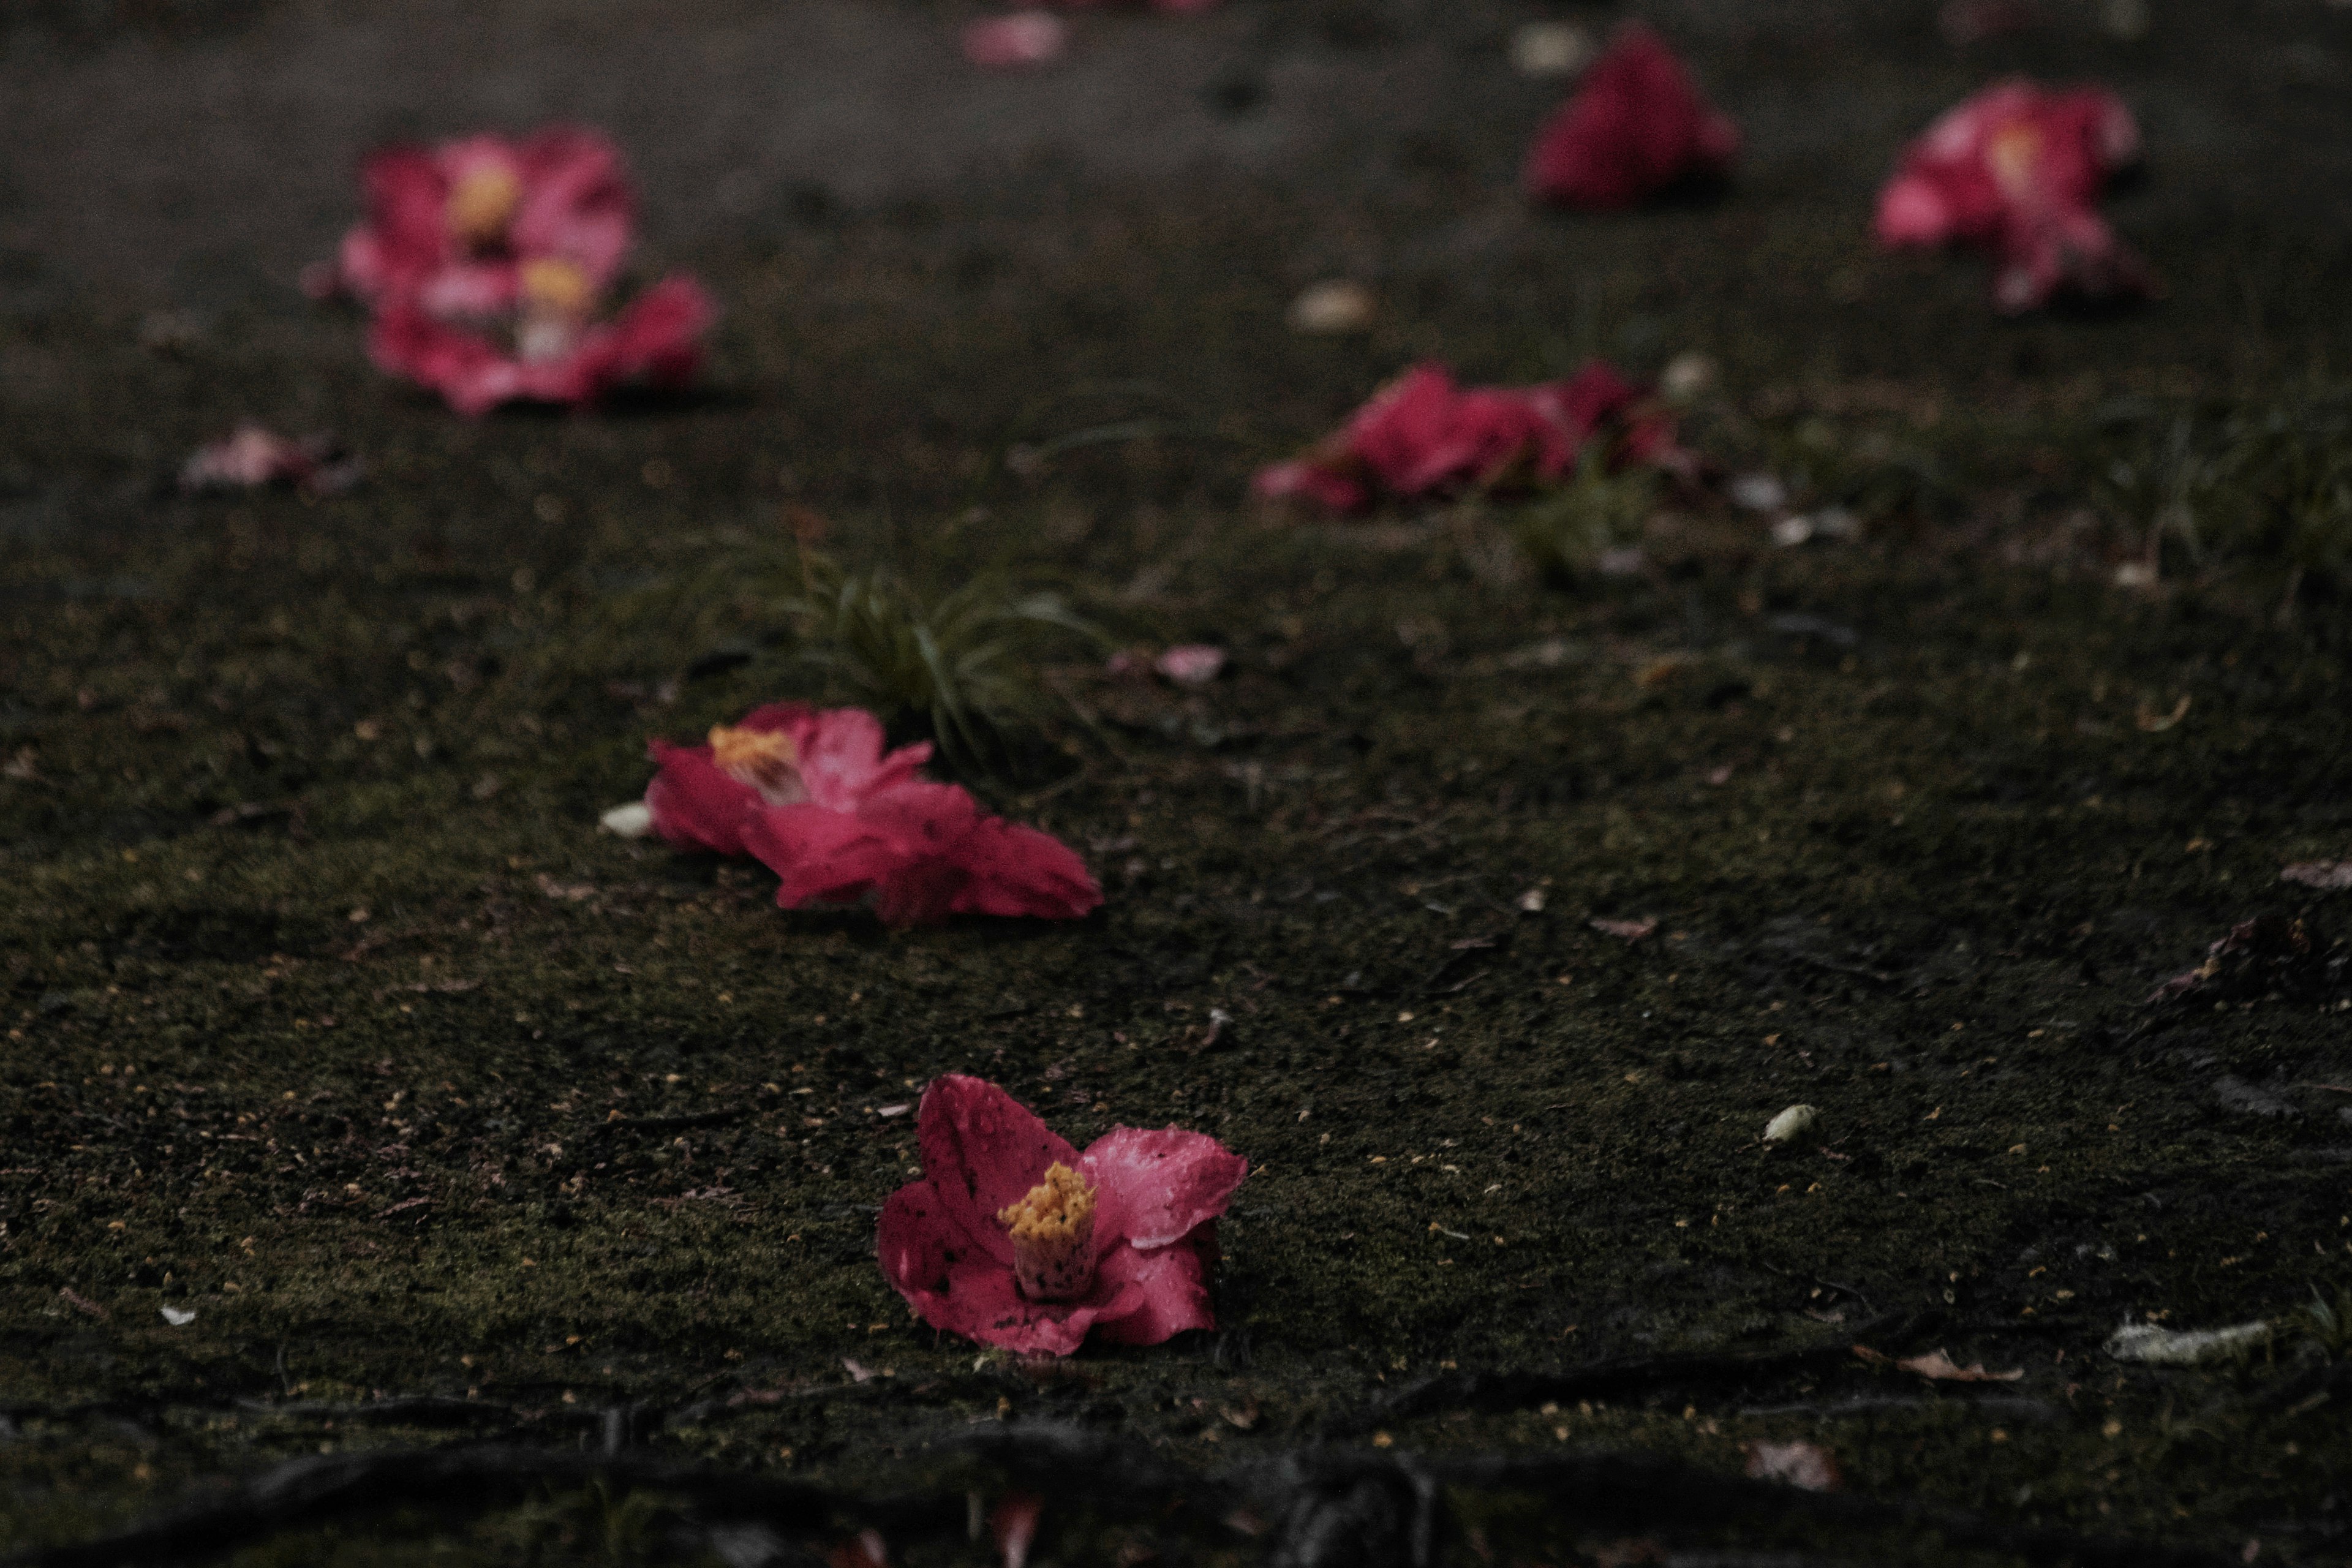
x=331, y=1019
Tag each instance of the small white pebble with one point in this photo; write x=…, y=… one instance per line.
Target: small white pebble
x=634, y=820
x=1687, y=375
x=1551, y=49
x=1332, y=308
x=1791, y=1123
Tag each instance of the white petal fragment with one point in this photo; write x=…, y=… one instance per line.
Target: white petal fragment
x=633, y=820
x=2159, y=1346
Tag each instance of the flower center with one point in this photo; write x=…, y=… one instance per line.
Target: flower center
x=1053, y=1234
x=555, y=297
x=765, y=759
x=2015, y=149
x=551, y=286
x=480, y=204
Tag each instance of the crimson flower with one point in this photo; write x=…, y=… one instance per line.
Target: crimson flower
x=1015, y=1239
x=1422, y=434
x=1635, y=128
x=814, y=796
x=551, y=349
x=2016, y=170
x=451, y=226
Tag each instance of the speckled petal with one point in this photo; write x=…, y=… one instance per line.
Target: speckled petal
x=982, y=1150
x=1159, y=1185
x=1170, y=1287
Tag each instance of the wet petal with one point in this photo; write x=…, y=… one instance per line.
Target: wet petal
x=1160, y=1185
x=982, y=1150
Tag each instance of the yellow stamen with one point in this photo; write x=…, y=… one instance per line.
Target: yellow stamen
x=765, y=759
x=2015, y=149
x=481, y=202
x=554, y=287
x=1053, y=1234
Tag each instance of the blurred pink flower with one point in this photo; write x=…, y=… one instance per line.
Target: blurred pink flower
x=1022, y=38
x=1636, y=127
x=2018, y=169
x=551, y=348
x=450, y=227
x=1012, y=1238
x=1421, y=435
x=812, y=795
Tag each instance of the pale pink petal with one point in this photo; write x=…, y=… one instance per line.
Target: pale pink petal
x=842, y=761
x=1023, y=39
x=1191, y=663
x=1163, y=1182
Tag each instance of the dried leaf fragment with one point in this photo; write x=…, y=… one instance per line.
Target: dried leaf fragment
x=1938, y=1366
x=1631, y=931
x=1806, y=1466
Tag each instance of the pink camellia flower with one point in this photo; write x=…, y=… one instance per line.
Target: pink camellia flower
x=555, y=349
x=813, y=795
x=1015, y=1239
x=2018, y=169
x=1635, y=128
x=1421, y=435
x=450, y=227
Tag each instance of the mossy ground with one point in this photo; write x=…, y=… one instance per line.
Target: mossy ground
x=324, y=990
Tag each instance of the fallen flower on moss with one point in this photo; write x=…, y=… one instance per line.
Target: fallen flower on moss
x=812, y=794
x=555, y=349
x=450, y=227
x=2017, y=171
x=1423, y=434
x=1636, y=128
x=1012, y=1238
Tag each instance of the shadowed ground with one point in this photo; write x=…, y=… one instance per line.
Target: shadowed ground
x=331, y=1021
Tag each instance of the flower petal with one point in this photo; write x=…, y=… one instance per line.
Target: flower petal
x=982, y=1150
x=982, y=1301
x=694, y=804
x=842, y=764
x=1160, y=1185
x=1011, y=870
x=1168, y=1287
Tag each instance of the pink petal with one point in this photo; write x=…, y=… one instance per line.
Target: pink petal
x=1191, y=663
x=695, y=805
x=1912, y=211
x=1301, y=480
x=1637, y=126
x=982, y=1151
x=576, y=202
x=1018, y=872
x=1159, y=1185
x=1169, y=1289
x=929, y=1261
x=1024, y=39
x=842, y=761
